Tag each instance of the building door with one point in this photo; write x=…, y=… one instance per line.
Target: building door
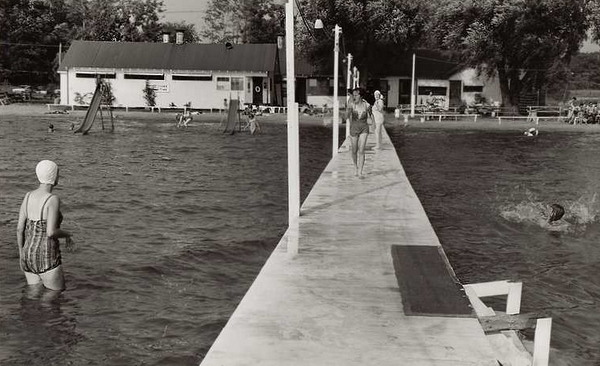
x=301, y=90
x=257, y=91
x=455, y=93
x=404, y=91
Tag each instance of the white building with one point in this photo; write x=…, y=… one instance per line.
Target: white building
x=204, y=75
x=435, y=73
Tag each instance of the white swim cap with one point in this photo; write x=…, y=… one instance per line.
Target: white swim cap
x=47, y=172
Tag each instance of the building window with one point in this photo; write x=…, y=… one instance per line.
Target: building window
x=90, y=75
x=473, y=89
x=222, y=83
x=237, y=83
x=435, y=90
x=322, y=86
x=145, y=76
x=192, y=77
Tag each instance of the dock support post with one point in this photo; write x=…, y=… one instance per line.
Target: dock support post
x=541, y=342
x=513, y=298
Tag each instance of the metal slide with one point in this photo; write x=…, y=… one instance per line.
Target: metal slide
x=90, y=115
x=232, y=116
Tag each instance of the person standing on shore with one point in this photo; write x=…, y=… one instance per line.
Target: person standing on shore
x=38, y=231
x=378, y=110
x=358, y=113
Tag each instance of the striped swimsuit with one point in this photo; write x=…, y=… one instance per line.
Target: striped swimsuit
x=40, y=253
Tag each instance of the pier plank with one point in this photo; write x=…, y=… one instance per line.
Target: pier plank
x=329, y=295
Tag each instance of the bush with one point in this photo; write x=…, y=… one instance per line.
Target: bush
x=149, y=95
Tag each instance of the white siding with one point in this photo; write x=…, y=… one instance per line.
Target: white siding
x=491, y=86
x=202, y=94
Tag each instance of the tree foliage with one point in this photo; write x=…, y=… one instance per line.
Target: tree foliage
x=593, y=8
x=375, y=32
x=33, y=29
x=149, y=94
x=116, y=20
x=189, y=31
x=243, y=21
x=523, y=42
x=29, y=39
x=263, y=22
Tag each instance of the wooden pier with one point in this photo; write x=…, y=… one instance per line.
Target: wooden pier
x=359, y=279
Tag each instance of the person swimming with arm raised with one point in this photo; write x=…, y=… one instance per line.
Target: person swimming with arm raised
x=552, y=216
x=556, y=212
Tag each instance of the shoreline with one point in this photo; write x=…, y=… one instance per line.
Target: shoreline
x=483, y=123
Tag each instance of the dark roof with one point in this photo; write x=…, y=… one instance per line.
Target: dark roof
x=302, y=67
x=429, y=64
x=169, y=56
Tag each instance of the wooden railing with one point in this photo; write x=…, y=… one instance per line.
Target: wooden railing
x=501, y=327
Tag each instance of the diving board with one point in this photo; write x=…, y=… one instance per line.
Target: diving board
x=90, y=115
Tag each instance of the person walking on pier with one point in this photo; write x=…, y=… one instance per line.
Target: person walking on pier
x=378, y=109
x=358, y=112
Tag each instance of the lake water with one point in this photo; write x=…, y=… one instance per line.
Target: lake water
x=483, y=191
x=171, y=226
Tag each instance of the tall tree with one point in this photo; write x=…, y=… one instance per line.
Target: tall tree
x=593, y=7
x=189, y=31
x=243, y=21
x=116, y=20
x=223, y=21
x=520, y=41
x=29, y=40
x=264, y=21
x=375, y=32
x=140, y=20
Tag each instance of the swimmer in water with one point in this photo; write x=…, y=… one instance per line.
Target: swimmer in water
x=554, y=214
x=531, y=132
x=183, y=119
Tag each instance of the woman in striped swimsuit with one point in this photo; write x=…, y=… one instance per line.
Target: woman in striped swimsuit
x=38, y=231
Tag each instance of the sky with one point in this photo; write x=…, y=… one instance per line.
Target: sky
x=192, y=12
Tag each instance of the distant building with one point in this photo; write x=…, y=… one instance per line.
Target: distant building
x=180, y=73
x=207, y=74
x=436, y=73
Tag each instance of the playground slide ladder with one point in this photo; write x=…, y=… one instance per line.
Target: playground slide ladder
x=90, y=115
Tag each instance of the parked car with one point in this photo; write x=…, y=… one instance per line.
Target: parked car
x=40, y=91
x=22, y=89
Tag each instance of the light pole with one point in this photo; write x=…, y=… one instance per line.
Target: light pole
x=336, y=102
x=412, y=88
x=292, y=119
x=348, y=88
